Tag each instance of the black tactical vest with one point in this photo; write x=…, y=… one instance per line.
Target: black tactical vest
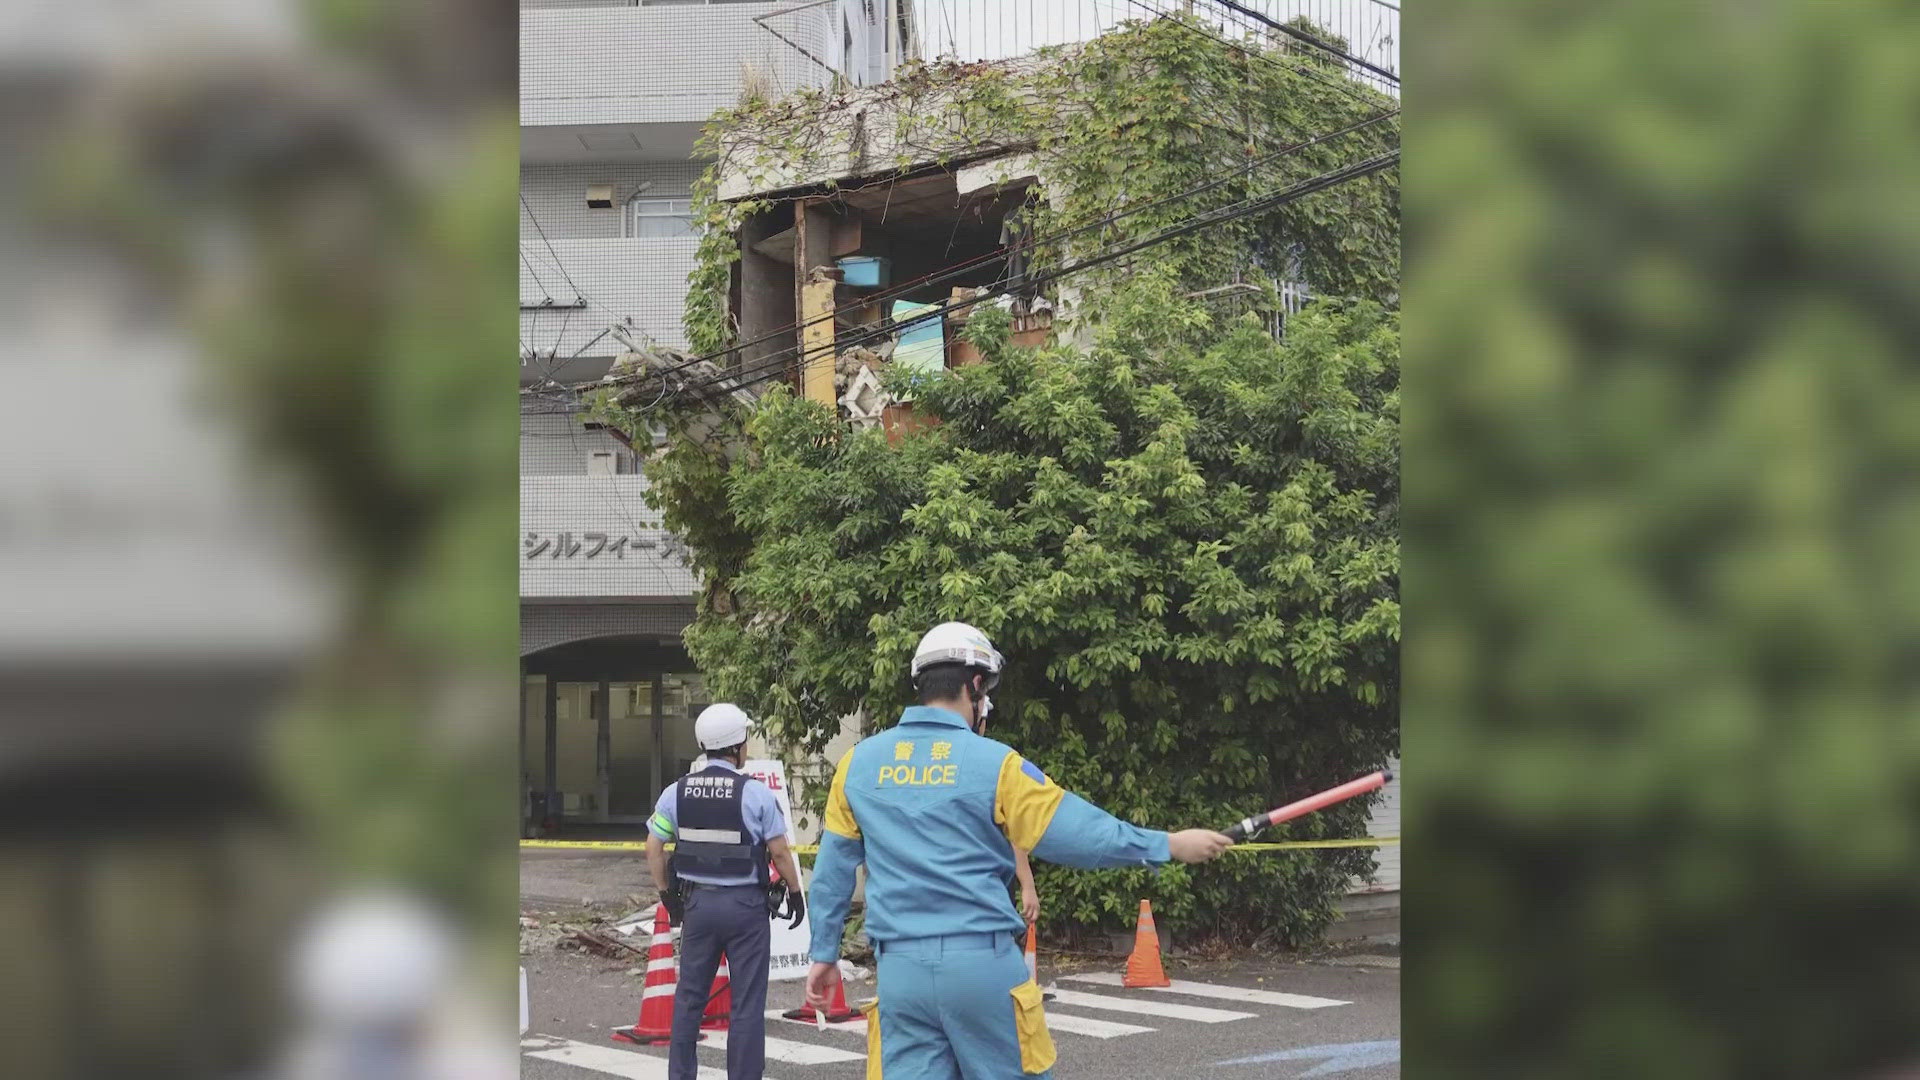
x=712, y=838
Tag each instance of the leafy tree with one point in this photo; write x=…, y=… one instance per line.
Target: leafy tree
x=1183, y=538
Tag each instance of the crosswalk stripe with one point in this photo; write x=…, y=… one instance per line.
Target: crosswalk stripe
x=797, y=1053
x=626, y=1064
x=1170, y=1009
x=1223, y=993
x=1078, y=1025
x=1099, y=1029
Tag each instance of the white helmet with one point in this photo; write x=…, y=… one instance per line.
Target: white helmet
x=957, y=643
x=721, y=726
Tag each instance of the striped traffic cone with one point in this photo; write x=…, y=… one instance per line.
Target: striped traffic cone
x=837, y=1010
x=1143, y=967
x=719, y=1001
x=655, y=1024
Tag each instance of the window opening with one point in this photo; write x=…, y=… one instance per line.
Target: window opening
x=662, y=218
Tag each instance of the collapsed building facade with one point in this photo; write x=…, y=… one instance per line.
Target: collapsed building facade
x=868, y=252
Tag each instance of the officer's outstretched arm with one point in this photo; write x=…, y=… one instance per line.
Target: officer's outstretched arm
x=841, y=853
x=1061, y=827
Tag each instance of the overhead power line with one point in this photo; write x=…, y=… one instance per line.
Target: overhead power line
x=524, y=261
x=561, y=266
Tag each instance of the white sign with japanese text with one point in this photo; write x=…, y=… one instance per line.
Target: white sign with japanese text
x=597, y=536
x=789, y=950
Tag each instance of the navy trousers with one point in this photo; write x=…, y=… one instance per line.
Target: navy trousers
x=730, y=920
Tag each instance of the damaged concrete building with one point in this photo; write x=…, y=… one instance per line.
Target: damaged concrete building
x=861, y=228
x=872, y=248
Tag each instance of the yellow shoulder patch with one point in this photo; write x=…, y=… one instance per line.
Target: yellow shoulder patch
x=1024, y=801
x=839, y=815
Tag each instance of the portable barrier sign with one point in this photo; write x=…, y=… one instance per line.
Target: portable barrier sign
x=789, y=950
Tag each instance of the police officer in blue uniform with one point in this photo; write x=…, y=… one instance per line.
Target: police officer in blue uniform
x=934, y=809
x=724, y=826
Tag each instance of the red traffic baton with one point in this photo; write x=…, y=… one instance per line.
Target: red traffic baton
x=1370, y=782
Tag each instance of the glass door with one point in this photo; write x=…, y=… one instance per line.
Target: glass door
x=576, y=752
x=633, y=726
x=533, y=751
x=681, y=699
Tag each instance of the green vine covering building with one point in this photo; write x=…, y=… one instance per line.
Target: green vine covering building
x=1031, y=344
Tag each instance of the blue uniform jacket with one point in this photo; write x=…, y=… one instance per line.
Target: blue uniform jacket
x=935, y=811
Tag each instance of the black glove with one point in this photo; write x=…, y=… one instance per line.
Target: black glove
x=784, y=902
x=676, y=906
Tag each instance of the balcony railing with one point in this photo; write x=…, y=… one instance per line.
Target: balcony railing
x=970, y=30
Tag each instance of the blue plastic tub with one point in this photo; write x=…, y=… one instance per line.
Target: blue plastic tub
x=864, y=271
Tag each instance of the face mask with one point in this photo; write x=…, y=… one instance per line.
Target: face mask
x=980, y=710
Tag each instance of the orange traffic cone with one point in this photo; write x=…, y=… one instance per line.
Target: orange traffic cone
x=837, y=1010
x=1143, y=967
x=719, y=1001
x=655, y=1024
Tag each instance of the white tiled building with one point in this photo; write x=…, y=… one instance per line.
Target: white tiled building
x=613, y=96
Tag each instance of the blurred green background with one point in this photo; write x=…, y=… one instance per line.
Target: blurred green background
x=1662, y=445
x=265, y=255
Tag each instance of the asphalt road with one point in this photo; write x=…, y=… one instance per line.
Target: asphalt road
x=576, y=1000
x=561, y=877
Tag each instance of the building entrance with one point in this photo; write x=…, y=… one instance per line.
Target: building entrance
x=603, y=730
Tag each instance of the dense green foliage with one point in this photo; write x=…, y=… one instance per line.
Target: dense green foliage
x=1663, y=507
x=1184, y=539
x=322, y=351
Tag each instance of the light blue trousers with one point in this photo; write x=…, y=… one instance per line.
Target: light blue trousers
x=949, y=1010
